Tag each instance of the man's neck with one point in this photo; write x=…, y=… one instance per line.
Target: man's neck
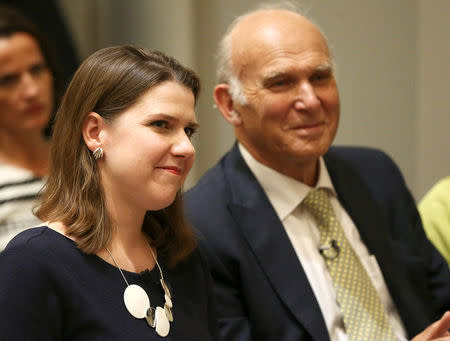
x=305, y=171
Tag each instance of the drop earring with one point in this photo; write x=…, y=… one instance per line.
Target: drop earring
x=98, y=153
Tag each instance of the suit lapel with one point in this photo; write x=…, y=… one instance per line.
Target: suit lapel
x=271, y=246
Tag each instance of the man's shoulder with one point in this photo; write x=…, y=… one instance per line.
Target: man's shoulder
x=368, y=168
x=361, y=160
x=357, y=154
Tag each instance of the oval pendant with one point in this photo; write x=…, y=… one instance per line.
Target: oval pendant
x=168, y=301
x=165, y=287
x=150, y=317
x=162, y=325
x=136, y=301
x=168, y=311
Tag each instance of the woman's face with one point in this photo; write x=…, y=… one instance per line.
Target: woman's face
x=147, y=149
x=26, y=85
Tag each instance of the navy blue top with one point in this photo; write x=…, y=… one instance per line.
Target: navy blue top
x=50, y=290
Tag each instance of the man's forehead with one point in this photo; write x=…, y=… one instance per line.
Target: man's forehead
x=267, y=24
x=274, y=32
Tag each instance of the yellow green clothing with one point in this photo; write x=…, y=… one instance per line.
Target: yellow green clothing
x=435, y=212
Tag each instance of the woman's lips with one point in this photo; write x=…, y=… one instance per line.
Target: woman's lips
x=171, y=169
x=34, y=109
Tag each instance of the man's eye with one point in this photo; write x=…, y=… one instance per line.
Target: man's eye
x=280, y=82
x=189, y=131
x=160, y=124
x=320, y=76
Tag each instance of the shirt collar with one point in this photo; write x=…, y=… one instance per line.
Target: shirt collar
x=284, y=192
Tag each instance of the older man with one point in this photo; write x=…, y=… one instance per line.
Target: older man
x=307, y=242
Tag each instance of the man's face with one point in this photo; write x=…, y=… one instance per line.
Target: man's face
x=292, y=110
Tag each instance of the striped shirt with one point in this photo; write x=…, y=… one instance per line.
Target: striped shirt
x=18, y=191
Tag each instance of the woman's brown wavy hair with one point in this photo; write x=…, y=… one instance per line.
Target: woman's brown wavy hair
x=110, y=81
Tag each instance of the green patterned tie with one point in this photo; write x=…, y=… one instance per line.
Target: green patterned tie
x=365, y=317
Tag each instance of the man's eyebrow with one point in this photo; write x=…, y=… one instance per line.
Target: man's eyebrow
x=274, y=74
x=327, y=67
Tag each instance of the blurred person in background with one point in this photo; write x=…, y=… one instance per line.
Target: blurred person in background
x=48, y=16
x=28, y=82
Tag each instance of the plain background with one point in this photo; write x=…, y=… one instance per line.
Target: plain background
x=392, y=59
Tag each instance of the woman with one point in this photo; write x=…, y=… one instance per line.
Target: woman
x=26, y=104
x=115, y=235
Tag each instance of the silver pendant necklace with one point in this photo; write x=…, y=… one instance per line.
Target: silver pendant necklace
x=138, y=303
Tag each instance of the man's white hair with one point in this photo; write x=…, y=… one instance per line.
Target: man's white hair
x=225, y=69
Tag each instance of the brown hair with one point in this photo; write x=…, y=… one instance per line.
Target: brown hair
x=110, y=81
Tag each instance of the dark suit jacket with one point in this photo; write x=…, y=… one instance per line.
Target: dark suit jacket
x=262, y=290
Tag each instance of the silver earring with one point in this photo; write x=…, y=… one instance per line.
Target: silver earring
x=98, y=153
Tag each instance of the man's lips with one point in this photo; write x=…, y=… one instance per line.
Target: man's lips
x=308, y=129
x=308, y=125
x=171, y=169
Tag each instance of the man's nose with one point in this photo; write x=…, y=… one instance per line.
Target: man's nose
x=306, y=97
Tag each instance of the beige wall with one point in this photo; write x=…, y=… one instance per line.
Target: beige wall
x=392, y=59
x=433, y=95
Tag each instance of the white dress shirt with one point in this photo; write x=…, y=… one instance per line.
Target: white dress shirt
x=285, y=194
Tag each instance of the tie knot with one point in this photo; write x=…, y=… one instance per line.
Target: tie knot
x=318, y=203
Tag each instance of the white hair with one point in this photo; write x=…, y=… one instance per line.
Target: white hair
x=225, y=68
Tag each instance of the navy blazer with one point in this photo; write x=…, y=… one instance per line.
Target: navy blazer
x=261, y=287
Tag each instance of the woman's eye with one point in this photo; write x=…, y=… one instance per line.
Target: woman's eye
x=9, y=80
x=37, y=69
x=189, y=131
x=160, y=124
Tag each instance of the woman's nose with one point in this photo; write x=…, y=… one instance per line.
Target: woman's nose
x=183, y=147
x=30, y=85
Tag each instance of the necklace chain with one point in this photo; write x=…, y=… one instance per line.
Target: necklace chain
x=121, y=272
x=135, y=298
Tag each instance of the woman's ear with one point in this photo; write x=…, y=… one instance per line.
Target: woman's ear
x=225, y=104
x=92, y=127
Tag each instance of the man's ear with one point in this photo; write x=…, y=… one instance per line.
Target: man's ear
x=92, y=127
x=225, y=104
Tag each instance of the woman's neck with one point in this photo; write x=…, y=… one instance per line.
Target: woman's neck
x=30, y=151
x=130, y=246
x=131, y=253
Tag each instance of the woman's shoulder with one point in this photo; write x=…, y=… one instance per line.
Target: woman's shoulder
x=36, y=242
x=34, y=236
x=37, y=255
